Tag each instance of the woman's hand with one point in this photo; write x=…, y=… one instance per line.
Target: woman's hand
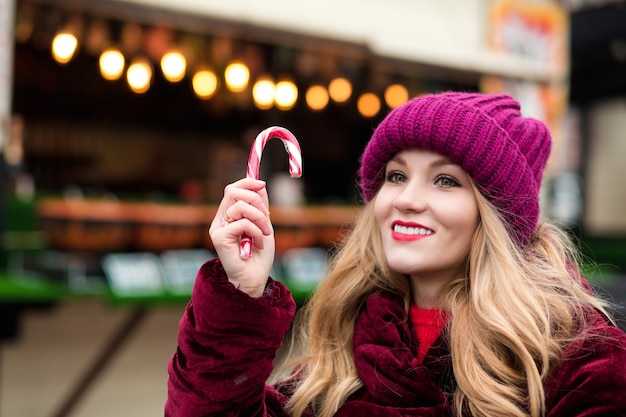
x=244, y=211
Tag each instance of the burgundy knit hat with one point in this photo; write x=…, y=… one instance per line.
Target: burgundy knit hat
x=503, y=152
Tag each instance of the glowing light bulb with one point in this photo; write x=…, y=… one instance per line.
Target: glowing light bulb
x=204, y=84
x=317, y=97
x=340, y=90
x=285, y=95
x=63, y=47
x=237, y=76
x=111, y=64
x=395, y=95
x=139, y=75
x=173, y=65
x=263, y=93
x=368, y=104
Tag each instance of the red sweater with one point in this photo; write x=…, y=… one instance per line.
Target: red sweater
x=428, y=325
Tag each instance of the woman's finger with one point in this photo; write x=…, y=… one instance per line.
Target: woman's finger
x=243, y=210
x=230, y=234
x=249, y=190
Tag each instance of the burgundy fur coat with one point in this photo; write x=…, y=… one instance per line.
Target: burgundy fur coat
x=227, y=341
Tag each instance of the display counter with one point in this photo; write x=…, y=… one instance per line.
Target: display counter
x=106, y=225
x=149, y=252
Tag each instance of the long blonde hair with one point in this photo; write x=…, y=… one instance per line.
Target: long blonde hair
x=511, y=317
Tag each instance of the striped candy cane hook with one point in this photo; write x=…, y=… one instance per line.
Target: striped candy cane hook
x=254, y=162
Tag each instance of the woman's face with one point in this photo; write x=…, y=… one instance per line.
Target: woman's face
x=427, y=214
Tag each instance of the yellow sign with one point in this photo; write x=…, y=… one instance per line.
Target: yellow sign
x=535, y=30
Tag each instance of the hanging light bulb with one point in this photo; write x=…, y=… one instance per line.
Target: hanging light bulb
x=395, y=95
x=317, y=97
x=263, y=93
x=173, y=65
x=340, y=90
x=285, y=94
x=368, y=104
x=64, y=46
x=237, y=76
x=204, y=83
x=111, y=64
x=139, y=75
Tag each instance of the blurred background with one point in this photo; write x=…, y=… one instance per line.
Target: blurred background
x=122, y=120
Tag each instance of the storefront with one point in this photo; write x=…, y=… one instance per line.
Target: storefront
x=106, y=160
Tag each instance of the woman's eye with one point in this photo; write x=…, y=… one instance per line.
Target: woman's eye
x=446, y=181
x=395, y=176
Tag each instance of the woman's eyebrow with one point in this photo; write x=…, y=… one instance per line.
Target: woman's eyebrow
x=398, y=160
x=442, y=162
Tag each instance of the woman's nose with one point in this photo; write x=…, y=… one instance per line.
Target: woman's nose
x=412, y=197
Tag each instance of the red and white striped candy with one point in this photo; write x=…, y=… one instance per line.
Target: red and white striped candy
x=254, y=162
x=291, y=146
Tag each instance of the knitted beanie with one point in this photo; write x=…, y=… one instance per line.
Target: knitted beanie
x=503, y=152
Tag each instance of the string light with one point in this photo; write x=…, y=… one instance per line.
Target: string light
x=173, y=65
x=204, y=84
x=340, y=90
x=285, y=95
x=237, y=76
x=139, y=75
x=111, y=64
x=317, y=97
x=63, y=47
x=263, y=93
x=368, y=104
x=395, y=95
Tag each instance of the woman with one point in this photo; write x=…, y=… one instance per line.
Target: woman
x=449, y=298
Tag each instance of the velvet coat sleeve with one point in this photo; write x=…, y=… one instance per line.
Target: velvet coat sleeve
x=226, y=344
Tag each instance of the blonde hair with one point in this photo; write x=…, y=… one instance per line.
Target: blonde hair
x=511, y=317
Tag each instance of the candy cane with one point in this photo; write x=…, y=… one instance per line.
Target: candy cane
x=254, y=162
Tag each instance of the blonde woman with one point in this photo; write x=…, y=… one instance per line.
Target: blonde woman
x=449, y=298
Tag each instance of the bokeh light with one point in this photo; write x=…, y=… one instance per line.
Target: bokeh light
x=395, y=95
x=340, y=90
x=368, y=104
x=173, y=65
x=111, y=64
x=285, y=94
x=317, y=97
x=64, y=46
x=263, y=93
x=237, y=76
x=139, y=75
x=204, y=83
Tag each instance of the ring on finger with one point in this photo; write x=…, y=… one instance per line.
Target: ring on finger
x=225, y=218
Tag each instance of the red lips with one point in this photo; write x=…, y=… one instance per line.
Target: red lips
x=409, y=231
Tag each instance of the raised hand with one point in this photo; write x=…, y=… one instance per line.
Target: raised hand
x=244, y=211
